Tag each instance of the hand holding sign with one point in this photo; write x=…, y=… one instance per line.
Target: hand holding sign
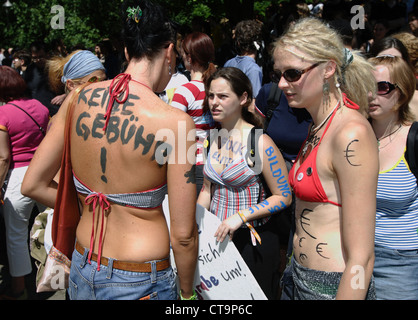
x=221, y=273
x=228, y=227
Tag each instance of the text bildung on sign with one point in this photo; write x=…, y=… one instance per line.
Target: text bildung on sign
x=221, y=273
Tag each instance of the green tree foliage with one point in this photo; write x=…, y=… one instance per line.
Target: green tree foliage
x=89, y=21
x=86, y=22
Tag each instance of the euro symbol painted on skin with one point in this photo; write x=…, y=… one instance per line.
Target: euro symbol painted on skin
x=349, y=154
x=300, y=241
x=319, y=250
x=302, y=257
x=304, y=221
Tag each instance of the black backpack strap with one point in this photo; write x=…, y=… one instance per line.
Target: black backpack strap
x=411, y=155
x=273, y=101
x=253, y=155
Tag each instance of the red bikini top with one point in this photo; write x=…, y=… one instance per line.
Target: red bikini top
x=305, y=181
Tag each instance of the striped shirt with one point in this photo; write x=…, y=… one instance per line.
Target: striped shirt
x=236, y=188
x=397, y=208
x=189, y=98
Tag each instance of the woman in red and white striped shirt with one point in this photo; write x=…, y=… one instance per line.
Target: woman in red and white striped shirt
x=197, y=52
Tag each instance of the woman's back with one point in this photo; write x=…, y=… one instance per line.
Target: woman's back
x=126, y=158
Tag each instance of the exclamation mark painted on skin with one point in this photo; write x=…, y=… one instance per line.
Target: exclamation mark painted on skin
x=103, y=154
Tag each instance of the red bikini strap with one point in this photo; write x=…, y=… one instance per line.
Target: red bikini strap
x=116, y=89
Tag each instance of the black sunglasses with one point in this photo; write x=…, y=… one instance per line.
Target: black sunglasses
x=385, y=87
x=291, y=75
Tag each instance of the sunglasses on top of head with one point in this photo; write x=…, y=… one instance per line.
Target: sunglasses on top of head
x=291, y=75
x=385, y=87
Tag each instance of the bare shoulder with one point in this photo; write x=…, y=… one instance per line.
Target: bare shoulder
x=354, y=143
x=353, y=126
x=173, y=117
x=267, y=141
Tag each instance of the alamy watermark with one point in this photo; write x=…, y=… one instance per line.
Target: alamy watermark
x=358, y=281
x=358, y=21
x=58, y=278
x=58, y=20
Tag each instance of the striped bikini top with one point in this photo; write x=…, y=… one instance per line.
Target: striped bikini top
x=397, y=208
x=236, y=188
x=148, y=199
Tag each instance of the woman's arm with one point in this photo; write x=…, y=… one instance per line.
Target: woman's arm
x=205, y=194
x=39, y=183
x=5, y=156
x=275, y=174
x=357, y=174
x=183, y=228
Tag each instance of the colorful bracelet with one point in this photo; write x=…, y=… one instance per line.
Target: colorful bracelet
x=192, y=297
x=249, y=226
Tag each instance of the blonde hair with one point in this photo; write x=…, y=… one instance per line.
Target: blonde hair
x=403, y=76
x=323, y=44
x=55, y=67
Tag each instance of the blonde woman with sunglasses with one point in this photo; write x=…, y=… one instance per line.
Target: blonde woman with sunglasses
x=396, y=241
x=334, y=177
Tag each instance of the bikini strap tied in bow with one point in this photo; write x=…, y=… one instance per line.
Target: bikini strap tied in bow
x=119, y=92
x=97, y=198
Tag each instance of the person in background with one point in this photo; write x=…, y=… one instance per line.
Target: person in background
x=396, y=241
x=198, y=54
x=179, y=76
x=392, y=46
x=413, y=21
x=380, y=30
x=98, y=53
x=122, y=239
x=2, y=56
x=21, y=60
x=248, y=41
x=66, y=73
x=233, y=187
x=36, y=78
x=334, y=177
x=177, y=79
x=411, y=44
x=22, y=126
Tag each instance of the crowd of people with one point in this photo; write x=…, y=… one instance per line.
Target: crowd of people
x=303, y=139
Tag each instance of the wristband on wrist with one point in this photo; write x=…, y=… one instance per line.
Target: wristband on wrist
x=249, y=226
x=192, y=297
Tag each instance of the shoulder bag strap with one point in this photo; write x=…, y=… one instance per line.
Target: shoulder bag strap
x=37, y=124
x=66, y=209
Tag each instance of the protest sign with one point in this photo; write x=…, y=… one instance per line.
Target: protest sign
x=221, y=273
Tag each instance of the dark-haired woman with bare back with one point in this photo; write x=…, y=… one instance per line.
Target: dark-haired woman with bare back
x=124, y=164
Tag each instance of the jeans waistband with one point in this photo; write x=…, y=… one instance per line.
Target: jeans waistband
x=127, y=265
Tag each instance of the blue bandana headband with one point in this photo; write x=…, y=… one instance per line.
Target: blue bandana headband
x=80, y=65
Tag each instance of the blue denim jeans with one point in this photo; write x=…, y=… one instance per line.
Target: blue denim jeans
x=396, y=274
x=86, y=283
